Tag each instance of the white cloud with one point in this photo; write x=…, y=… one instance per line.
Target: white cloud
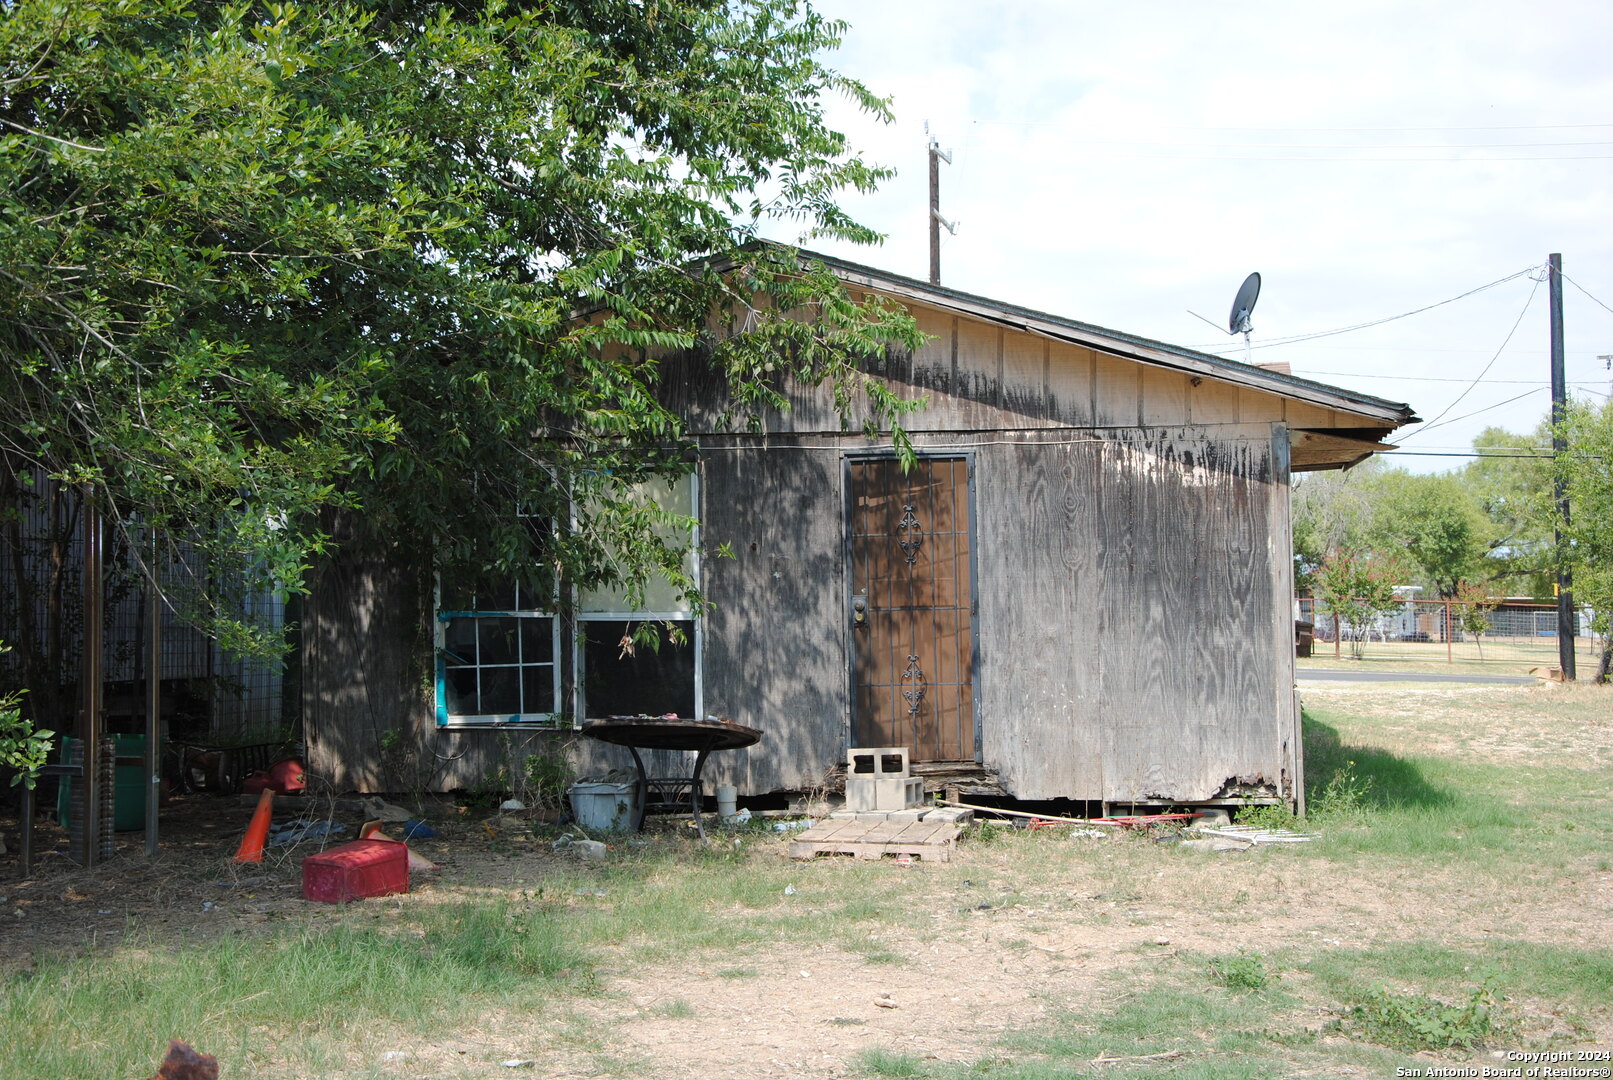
x=1123, y=163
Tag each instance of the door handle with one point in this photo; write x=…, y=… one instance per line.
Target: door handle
x=859, y=611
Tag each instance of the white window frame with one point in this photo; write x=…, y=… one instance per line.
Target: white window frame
x=555, y=717
x=680, y=615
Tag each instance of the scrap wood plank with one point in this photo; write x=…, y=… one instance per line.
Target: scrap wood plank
x=836, y=827
x=876, y=839
x=1250, y=834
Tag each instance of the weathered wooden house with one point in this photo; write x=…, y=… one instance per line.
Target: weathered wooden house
x=1084, y=587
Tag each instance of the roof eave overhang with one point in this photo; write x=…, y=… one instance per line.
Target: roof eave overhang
x=1390, y=415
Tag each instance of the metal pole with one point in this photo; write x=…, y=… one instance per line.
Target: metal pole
x=935, y=213
x=91, y=793
x=1559, y=410
x=153, y=698
x=1450, y=634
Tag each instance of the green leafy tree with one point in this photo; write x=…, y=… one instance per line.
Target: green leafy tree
x=1512, y=479
x=1358, y=588
x=1586, y=471
x=1436, y=521
x=410, y=272
x=1331, y=513
x=1471, y=608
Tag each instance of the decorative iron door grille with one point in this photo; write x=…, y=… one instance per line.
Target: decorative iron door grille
x=912, y=607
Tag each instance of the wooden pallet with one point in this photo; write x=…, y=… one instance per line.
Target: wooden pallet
x=876, y=839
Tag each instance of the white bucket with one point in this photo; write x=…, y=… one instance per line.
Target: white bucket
x=727, y=801
x=599, y=805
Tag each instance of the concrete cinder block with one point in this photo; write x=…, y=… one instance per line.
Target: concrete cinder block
x=955, y=814
x=878, y=762
x=863, y=793
x=917, y=813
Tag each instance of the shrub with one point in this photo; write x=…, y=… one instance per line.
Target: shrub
x=1243, y=971
x=1412, y=1022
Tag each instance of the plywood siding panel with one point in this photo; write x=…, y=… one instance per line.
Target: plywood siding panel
x=1303, y=415
x=1256, y=406
x=1212, y=402
x=775, y=641
x=1164, y=398
x=1069, y=384
x=1285, y=706
x=365, y=656
x=1117, y=391
x=1189, y=672
x=1038, y=585
x=692, y=389
x=1024, y=377
x=978, y=393
x=931, y=366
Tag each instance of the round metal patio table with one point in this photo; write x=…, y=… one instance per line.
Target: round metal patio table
x=671, y=733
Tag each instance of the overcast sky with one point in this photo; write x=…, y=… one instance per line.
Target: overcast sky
x=1123, y=164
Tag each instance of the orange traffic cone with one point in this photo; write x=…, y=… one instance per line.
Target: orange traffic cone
x=257, y=833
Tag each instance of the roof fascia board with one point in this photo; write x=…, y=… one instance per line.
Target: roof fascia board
x=1392, y=414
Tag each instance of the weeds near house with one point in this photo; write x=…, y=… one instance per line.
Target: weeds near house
x=548, y=775
x=1344, y=797
x=1241, y=971
x=896, y=1066
x=1413, y=1022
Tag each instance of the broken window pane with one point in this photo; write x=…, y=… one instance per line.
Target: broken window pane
x=640, y=681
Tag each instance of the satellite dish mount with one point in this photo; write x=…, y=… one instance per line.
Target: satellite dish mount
x=1243, y=307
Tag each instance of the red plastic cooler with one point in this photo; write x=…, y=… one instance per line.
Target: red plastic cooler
x=355, y=870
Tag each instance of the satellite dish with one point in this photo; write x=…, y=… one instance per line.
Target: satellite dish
x=1243, y=306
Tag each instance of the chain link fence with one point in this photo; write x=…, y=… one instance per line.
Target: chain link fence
x=1498, y=631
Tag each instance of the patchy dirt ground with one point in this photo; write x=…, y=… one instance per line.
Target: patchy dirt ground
x=994, y=940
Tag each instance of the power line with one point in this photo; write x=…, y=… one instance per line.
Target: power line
x=1462, y=454
x=1582, y=289
x=1434, y=423
x=1403, y=315
x=1428, y=378
x=1476, y=412
x=1196, y=127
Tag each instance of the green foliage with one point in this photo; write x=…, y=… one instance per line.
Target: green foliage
x=1436, y=521
x=1585, y=470
x=1413, y=1022
x=548, y=775
x=878, y=1062
x=422, y=967
x=1512, y=482
x=1241, y=971
x=23, y=748
x=1358, y=588
x=1331, y=513
x=406, y=276
x=1344, y=796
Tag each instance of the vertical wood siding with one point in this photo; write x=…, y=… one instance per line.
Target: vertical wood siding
x=1133, y=577
x=1127, y=615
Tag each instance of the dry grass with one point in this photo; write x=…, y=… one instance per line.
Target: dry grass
x=1478, y=851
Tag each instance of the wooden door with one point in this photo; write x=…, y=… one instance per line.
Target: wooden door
x=910, y=546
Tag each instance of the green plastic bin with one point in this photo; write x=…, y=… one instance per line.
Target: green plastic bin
x=129, y=781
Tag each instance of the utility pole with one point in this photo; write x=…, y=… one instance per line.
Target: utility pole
x=937, y=155
x=1559, y=409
